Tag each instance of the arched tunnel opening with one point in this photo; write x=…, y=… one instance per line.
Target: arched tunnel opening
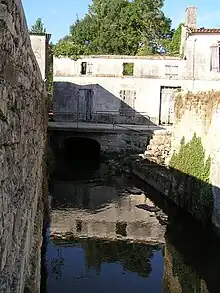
x=81, y=150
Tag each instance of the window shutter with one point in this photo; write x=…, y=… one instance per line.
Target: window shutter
x=215, y=58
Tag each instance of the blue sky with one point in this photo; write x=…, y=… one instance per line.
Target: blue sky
x=57, y=15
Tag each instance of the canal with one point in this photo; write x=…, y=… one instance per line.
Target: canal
x=102, y=237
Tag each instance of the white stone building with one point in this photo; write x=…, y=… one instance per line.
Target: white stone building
x=133, y=89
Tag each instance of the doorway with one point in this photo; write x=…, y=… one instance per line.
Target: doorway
x=85, y=103
x=167, y=104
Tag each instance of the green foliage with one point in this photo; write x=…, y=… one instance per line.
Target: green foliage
x=38, y=27
x=194, y=171
x=173, y=44
x=67, y=48
x=128, y=69
x=121, y=27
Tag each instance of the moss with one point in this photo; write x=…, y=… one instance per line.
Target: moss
x=193, y=171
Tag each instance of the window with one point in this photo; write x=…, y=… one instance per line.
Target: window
x=215, y=58
x=121, y=229
x=89, y=67
x=83, y=68
x=127, y=98
x=128, y=69
x=78, y=226
x=171, y=70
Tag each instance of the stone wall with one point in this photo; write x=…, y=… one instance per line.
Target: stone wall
x=195, y=152
x=22, y=128
x=110, y=142
x=191, y=173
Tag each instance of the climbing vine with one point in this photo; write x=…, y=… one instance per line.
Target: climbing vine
x=194, y=170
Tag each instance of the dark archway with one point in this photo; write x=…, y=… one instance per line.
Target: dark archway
x=81, y=149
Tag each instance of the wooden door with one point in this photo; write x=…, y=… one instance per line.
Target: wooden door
x=85, y=104
x=167, y=105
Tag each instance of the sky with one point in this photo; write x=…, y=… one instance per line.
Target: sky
x=58, y=15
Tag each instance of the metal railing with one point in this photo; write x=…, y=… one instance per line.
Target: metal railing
x=107, y=117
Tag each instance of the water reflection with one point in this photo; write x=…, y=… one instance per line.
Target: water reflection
x=192, y=259
x=103, y=210
x=99, y=241
x=102, y=266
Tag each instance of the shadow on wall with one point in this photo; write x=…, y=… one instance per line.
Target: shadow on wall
x=93, y=103
x=192, y=250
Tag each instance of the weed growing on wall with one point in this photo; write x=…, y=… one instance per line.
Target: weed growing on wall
x=203, y=103
x=194, y=171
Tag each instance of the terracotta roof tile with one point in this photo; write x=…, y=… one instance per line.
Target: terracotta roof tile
x=205, y=30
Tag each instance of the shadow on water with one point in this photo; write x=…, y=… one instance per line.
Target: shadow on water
x=105, y=244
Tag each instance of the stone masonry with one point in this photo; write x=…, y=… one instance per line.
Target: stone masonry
x=159, y=147
x=22, y=140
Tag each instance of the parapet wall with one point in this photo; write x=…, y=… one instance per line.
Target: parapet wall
x=196, y=151
x=22, y=140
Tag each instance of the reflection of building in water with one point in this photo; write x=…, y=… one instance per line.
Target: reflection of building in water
x=101, y=212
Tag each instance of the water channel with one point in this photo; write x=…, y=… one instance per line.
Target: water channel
x=100, y=240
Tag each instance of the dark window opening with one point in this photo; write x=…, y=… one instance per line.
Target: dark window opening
x=128, y=69
x=78, y=226
x=83, y=68
x=121, y=229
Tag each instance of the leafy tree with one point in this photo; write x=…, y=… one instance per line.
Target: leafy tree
x=67, y=48
x=172, y=45
x=38, y=27
x=120, y=27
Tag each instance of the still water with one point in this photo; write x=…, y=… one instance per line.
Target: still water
x=98, y=240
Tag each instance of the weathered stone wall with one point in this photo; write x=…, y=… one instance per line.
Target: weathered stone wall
x=196, y=152
x=109, y=142
x=22, y=128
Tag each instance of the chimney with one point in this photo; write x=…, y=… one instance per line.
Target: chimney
x=191, y=16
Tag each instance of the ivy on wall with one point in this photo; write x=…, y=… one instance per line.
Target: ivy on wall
x=194, y=171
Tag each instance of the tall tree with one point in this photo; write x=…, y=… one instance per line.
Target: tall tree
x=38, y=27
x=121, y=27
x=172, y=44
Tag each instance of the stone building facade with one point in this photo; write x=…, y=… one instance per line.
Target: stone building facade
x=130, y=87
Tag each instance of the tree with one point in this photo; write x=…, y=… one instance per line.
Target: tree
x=38, y=27
x=172, y=44
x=121, y=27
x=67, y=48
x=176, y=41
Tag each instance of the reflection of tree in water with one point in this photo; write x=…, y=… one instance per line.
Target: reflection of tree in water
x=133, y=257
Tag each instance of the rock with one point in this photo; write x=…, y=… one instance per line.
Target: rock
x=162, y=218
x=148, y=208
x=134, y=190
